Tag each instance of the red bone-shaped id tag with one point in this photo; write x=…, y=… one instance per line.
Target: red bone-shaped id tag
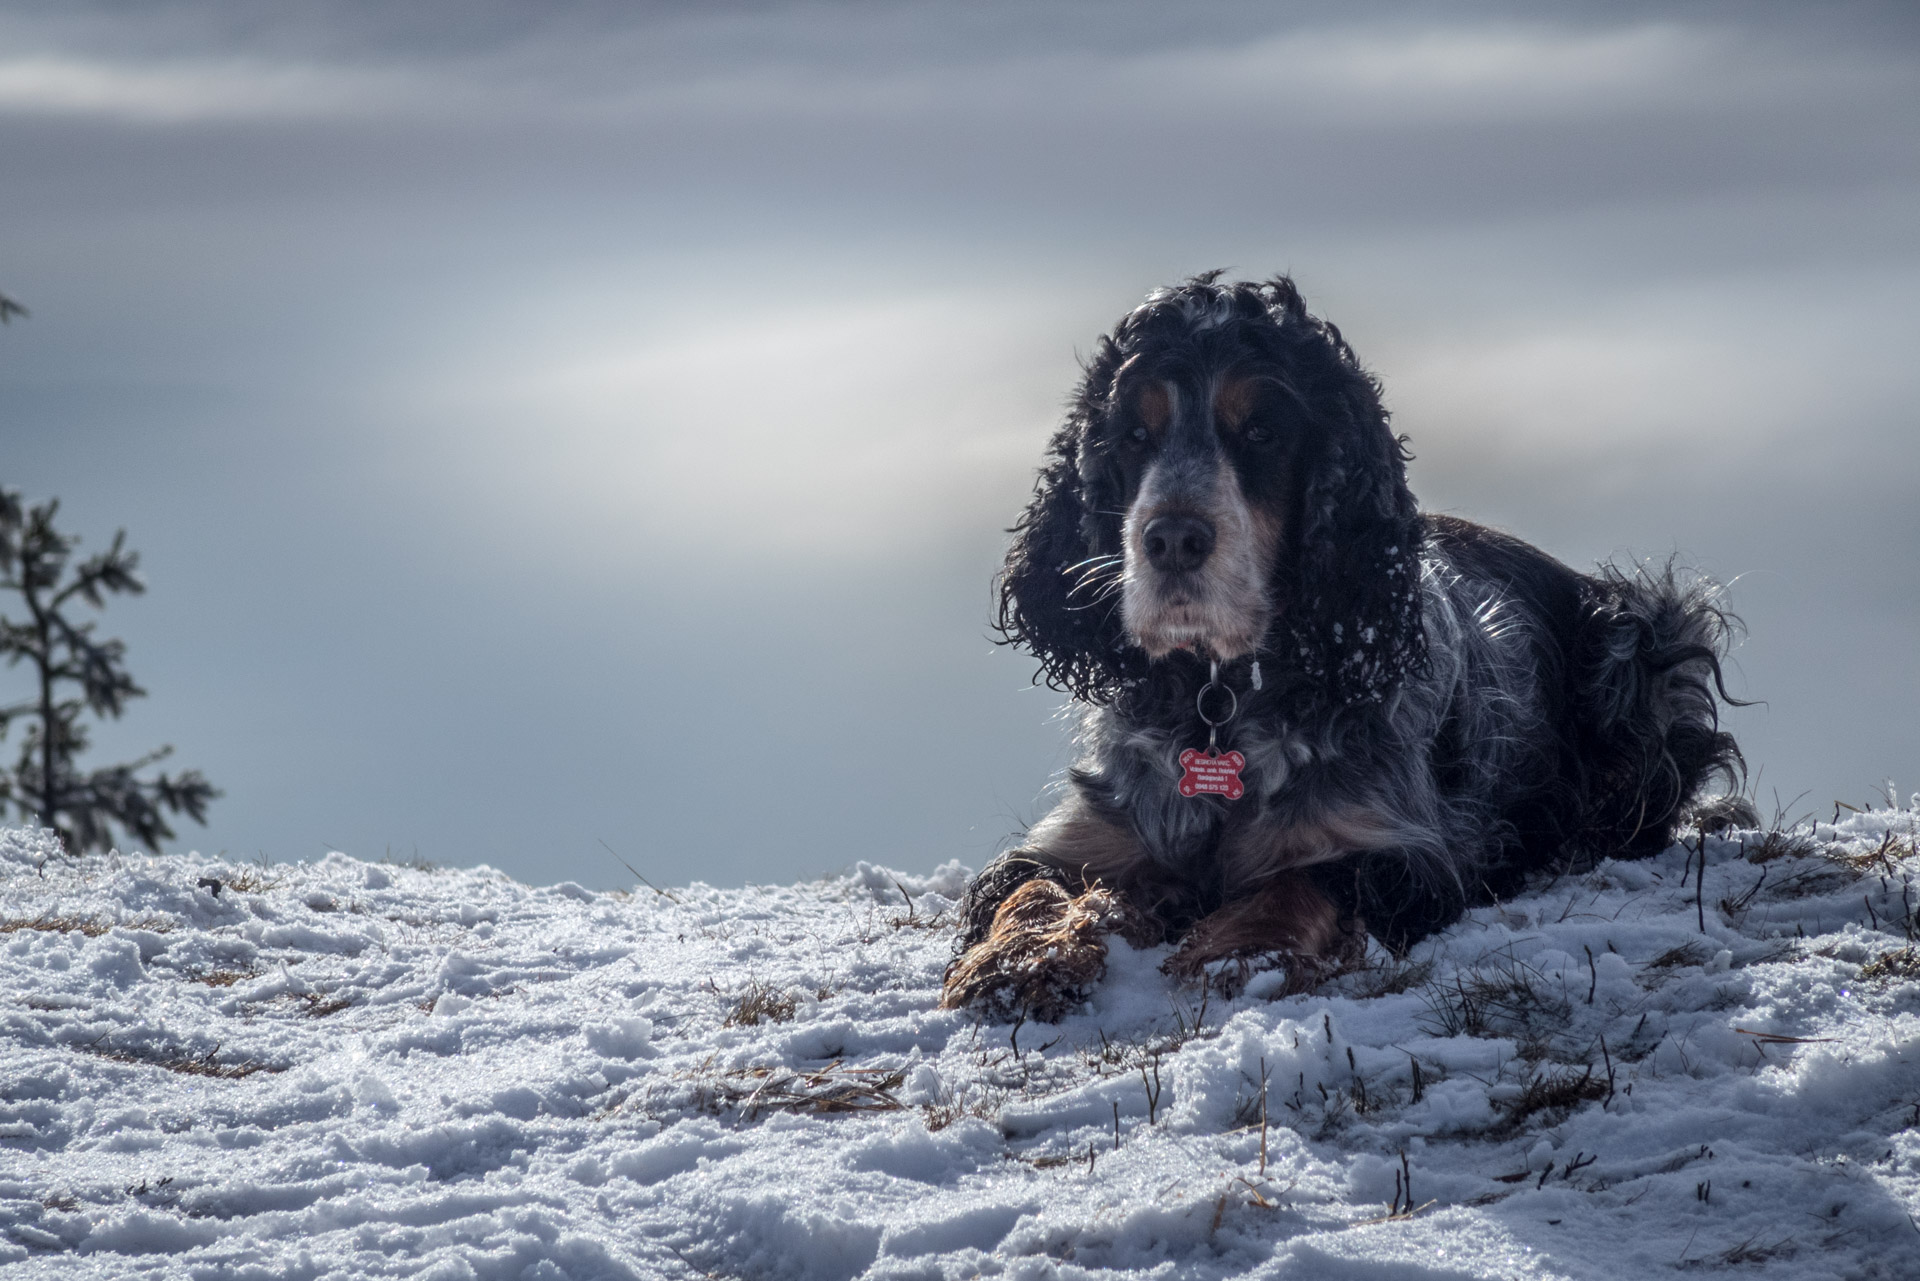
x=1212, y=774
x=1209, y=773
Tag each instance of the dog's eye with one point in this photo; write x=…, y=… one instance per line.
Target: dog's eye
x=1138, y=435
x=1256, y=435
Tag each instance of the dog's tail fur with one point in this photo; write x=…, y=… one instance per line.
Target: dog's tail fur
x=1645, y=673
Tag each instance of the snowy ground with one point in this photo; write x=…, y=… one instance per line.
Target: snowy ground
x=354, y=1069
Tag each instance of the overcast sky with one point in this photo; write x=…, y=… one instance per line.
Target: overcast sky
x=564, y=423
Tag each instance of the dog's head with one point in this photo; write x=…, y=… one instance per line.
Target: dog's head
x=1225, y=484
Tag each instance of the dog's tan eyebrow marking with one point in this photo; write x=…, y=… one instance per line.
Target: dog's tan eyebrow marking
x=1155, y=406
x=1234, y=401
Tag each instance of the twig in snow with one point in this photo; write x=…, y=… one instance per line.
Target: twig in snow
x=1152, y=1088
x=1263, y=1115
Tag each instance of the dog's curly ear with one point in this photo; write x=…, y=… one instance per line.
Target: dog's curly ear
x=1355, y=619
x=1058, y=592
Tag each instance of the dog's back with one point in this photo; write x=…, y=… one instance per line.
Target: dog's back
x=1629, y=666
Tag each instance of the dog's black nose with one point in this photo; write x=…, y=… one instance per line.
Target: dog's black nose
x=1176, y=544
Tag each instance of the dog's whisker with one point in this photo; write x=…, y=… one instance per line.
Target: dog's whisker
x=1110, y=592
x=1094, y=577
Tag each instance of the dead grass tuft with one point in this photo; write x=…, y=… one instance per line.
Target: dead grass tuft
x=1394, y=978
x=834, y=1088
x=1901, y=963
x=1675, y=957
x=1882, y=859
x=224, y=978
x=55, y=925
x=938, y=1116
x=761, y=1003
x=1053, y=1161
x=1778, y=842
x=1507, y=998
x=412, y=862
x=91, y=927
x=1554, y=1092
x=249, y=879
x=175, y=1059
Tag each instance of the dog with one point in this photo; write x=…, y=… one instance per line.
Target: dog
x=1307, y=711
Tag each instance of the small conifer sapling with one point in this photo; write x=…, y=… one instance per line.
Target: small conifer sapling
x=76, y=675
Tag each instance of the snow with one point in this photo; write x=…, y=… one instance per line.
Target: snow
x=345, y=1069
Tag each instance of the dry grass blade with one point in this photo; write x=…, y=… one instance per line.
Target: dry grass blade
x=1774, y=1038
x=1748, y=1252
x=665, y=894
x=913, y=920
x=1398, y=1216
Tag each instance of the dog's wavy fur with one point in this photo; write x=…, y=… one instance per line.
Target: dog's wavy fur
x=1442, y=709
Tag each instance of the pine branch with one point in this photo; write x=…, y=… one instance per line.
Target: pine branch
x=113, y=570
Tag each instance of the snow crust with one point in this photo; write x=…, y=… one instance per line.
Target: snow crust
x=346, y=1069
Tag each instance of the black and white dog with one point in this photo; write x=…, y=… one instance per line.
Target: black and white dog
x=1309, y=712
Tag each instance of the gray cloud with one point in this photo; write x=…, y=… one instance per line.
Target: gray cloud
x=521, y=407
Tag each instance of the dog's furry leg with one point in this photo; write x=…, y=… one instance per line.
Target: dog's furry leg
x=1042, y=955
x=1288, y=923
x=998, y=882
x=1033, y=925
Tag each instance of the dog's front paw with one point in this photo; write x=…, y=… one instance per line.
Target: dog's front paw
x=1286, y=926
x=1045, y=952
x=1272, y=974
x=1227, y=961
